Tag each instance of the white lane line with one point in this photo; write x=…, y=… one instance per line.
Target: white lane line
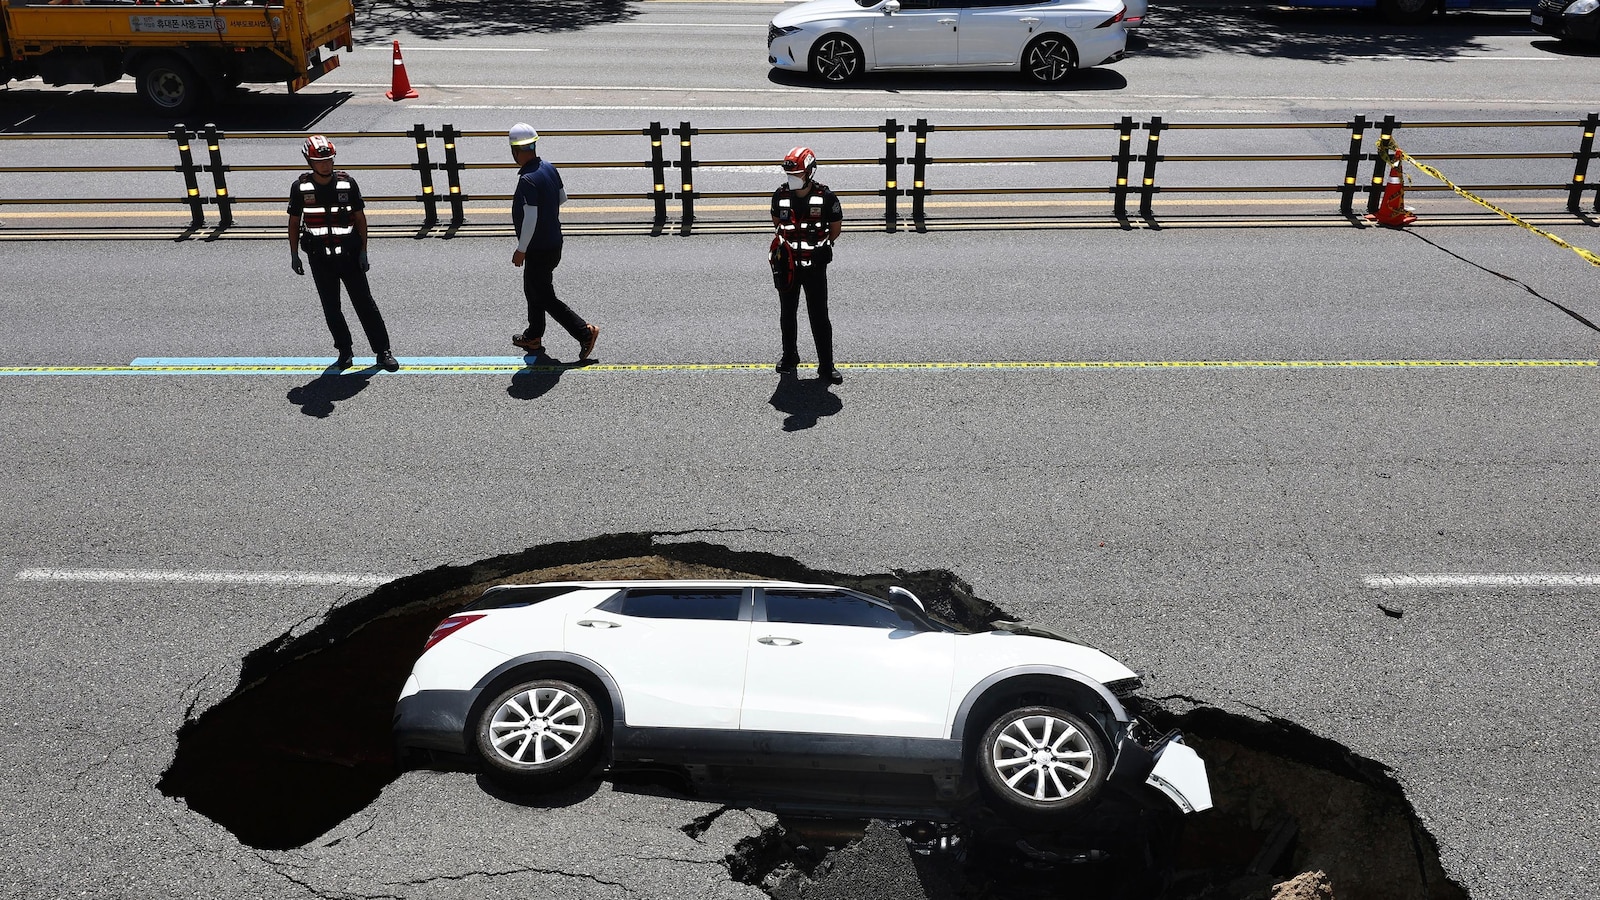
x=414, y=49
x=1493, y=580
x=150, y=576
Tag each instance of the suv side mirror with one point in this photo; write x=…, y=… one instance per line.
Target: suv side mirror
x=896, y=590
x=890, y=7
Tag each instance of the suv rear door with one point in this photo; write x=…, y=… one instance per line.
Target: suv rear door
x=677, y=654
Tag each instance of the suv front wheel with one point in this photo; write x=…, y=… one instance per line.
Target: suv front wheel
x=1042, y=761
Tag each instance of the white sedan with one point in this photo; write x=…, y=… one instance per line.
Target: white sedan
x=840, y=699
x=1049, y=40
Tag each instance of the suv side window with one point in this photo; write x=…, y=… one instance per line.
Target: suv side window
x=719, y=604
x=831, y=608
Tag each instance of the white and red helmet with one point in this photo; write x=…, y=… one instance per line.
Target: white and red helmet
x=800, y=161
x=317, y=147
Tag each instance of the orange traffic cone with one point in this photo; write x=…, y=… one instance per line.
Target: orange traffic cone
x=400, y=86
x=1392, y=211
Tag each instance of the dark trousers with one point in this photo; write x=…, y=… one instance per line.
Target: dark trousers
x=814, y=280
x=327, y=271
x=538, y=283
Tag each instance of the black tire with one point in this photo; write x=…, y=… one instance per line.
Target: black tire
x=1042, y=762
x=1050, y=59
x=836, y=59
x=541, y=733
x=169, y=85
x=1406, y=12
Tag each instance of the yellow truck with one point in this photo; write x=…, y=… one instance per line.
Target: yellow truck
x=180, y=54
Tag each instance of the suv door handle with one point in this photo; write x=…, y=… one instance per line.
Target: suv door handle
x=599, y=623
x=778, y=641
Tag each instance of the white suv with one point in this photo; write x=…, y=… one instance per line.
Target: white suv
x=841, y=699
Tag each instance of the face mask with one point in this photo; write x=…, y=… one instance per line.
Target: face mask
x=796, y=182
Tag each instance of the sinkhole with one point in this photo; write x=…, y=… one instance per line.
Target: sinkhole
x=304, y=743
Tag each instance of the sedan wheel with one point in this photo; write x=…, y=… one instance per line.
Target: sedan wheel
x=543, y=732
x=1041, y=759
x=1049, y=60
x=836, y=58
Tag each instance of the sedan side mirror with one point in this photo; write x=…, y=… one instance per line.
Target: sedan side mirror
x=896, y=590
x=890, y=7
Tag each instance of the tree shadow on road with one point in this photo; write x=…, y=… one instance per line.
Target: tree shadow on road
x=806, y=400
x=440, y=19
x=1328, y=35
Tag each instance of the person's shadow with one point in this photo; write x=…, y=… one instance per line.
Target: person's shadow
x=538, y=376
x=806, y=400
x=317, y=397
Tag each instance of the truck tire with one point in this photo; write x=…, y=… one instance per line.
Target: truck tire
x=169, y=85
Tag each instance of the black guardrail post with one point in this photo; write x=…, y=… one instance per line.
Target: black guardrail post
x=1379, y=176
x=452, y=174
x=430, y=203
x=1124, y=160
x=1580, y=170
x=658, y=175
x=1352, y=166
x=686, y=174
x=1152, y=155
x=919, y=175
x=191, y=177
x=891, y=171
x=219, y=176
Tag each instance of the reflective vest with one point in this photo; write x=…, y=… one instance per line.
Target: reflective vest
x=329, y=227
x=803, y=223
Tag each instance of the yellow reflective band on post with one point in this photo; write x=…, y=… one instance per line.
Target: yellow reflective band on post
x=1122, y=182
x=194, y=191
x=454, y=189
x=661, y=187
x=1577, y=178
x=688, y=187
x=450, y=146
x=427, y=189
x=891, y=140
x=889, y=184
x=917, y=184
x=1431, y=172
x=184, y=147
x=1149, y=181
x=1349, y=180
x=222, y=192
x=1127, y=137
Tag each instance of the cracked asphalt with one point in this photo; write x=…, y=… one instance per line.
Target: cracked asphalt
x=1210, y=527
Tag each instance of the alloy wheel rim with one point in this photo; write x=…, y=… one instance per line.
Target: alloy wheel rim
x=1043, y=758
x=836, y=60
x=1050, y=61
x=543, y=723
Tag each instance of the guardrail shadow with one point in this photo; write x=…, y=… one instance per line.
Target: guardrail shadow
x=36, y=110
x=383, y=19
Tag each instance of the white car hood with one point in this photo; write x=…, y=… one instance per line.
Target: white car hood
x=812, y=10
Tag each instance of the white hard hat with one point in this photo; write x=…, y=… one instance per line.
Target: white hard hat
x=523, y=135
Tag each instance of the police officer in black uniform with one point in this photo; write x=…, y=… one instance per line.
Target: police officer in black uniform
x=328, y=217
x=808, y=218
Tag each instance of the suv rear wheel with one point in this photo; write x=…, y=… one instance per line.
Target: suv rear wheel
x=1042, y=761
x=541, y=733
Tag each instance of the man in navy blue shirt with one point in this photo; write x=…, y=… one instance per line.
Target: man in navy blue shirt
x=536, y=218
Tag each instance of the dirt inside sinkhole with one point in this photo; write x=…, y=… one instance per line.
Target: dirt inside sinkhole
x=304, y=743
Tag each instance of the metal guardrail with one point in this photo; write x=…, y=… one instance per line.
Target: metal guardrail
x=1131, y=179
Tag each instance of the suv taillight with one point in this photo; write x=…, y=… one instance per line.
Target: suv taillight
x=448, y=627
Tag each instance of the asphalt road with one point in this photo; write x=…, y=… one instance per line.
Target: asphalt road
x=1226, y=529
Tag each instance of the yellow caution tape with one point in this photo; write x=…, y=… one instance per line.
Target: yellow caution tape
x=1431, y=172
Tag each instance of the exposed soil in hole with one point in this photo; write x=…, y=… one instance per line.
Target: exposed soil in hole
x=304, y=743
